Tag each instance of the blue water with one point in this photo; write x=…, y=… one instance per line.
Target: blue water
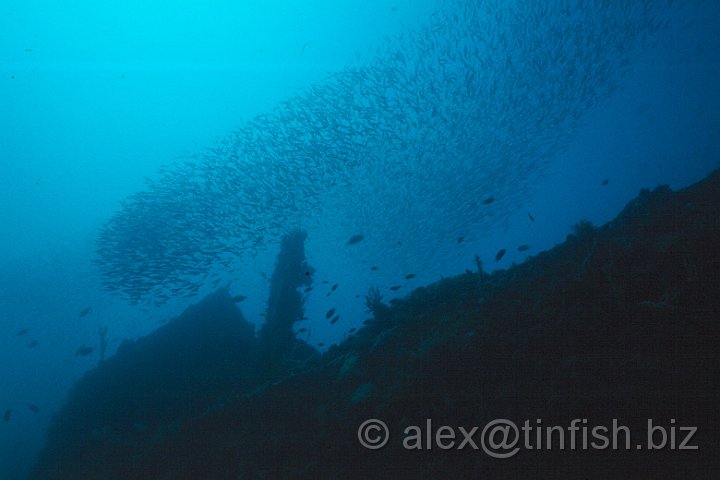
x=96, y=99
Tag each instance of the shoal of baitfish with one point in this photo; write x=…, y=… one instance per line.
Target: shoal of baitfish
x=473, y=105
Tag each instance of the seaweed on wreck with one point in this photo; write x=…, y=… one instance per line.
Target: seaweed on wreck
x=583, y=229
x=375, y=305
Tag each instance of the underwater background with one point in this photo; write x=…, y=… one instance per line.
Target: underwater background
x=152, y=154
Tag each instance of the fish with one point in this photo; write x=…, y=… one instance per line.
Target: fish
x=238, y=298
x=308, y=289
x=460, y=239
x=410, y=276
x=357, y=238
x=84, y=351
x=33, y=408
x=84, y=311
x=302, y=330
x=33, y=344
x=307, y=44
x=532, y=219
x=605, y=182
x=334, y=319
x=374, y=268
x=8, y=414
x=334, y=287
x=352, y=330
x=523, y=248
x=21, y=332
x=330, y=313
x=395, y=288
x=500, y=254
x=321, y=344
x=315, y=143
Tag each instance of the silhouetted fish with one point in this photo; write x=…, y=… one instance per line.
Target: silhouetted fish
x=410, y=276
x=321, y=344
x=373, y=268
x=352, y=330
x=33, y=344
x=8, y=414
x=605, y=182
x=532, y=219
x=334, y=287
x=84, y=351
x=460, y=239
x=22, y=332
x=85, y=311
x=305, y=46
x=238, y=298
x=355, y=239
x=137, y=261
x=523, y=248
x=335, y=319
x=500, y=254
x=33, y=408
x=330, y=313
x=302, y=330
x=308, y=289
x=395, y=288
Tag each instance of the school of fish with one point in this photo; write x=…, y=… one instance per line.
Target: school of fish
x=406, y=150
